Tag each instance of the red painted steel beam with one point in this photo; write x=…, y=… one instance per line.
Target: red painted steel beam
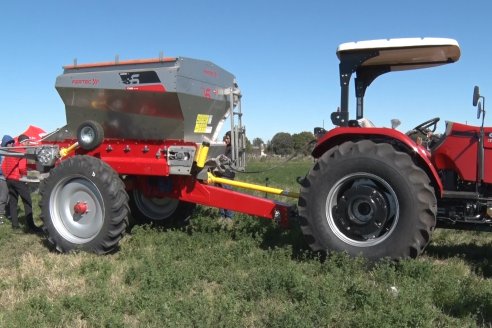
x=191, y=190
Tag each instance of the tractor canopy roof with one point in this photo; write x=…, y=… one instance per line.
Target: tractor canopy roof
x=402, y=54
x=370, y=59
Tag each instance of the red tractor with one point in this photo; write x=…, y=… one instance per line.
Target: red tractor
x=377, y=192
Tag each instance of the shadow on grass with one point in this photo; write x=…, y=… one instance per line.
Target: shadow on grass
x=478, y=257
x=291, y=237
x=267, y=233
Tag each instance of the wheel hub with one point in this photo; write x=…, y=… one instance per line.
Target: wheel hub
x=361, y=210
x=87, y=134
x=80, y=208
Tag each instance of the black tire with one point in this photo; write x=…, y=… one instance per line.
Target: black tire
x=163, y=212
x=90, y=135
x=367, y=199
x=96, y=226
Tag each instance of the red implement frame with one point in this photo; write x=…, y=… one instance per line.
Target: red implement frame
x=140, y=159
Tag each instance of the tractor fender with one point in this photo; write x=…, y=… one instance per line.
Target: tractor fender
x=340, y=135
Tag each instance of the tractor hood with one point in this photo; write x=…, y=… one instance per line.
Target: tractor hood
x=370, y=59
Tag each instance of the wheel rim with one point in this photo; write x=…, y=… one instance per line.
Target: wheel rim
x=362, y=209
x=157, y=209
x=77, y=209
x=87, y=135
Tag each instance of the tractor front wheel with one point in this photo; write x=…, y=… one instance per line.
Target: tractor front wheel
x=367, y=199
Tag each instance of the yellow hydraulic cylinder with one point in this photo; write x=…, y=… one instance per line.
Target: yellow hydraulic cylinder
x=250, y=186
x=201, y=157
x=65, y=151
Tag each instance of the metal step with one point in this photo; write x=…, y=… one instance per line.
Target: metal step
x=460, y=195
x=461, y=225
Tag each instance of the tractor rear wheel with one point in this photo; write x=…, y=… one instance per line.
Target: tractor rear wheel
x=165, y=212
x=367, y=199
x=84, y=206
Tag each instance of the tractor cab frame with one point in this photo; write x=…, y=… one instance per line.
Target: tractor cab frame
x=370, y=59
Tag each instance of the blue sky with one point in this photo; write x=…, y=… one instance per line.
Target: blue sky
x=281, y=52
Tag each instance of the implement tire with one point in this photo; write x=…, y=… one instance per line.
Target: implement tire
x=367, y=199
x=90, y=134
x=84, y=206
x=162, y=212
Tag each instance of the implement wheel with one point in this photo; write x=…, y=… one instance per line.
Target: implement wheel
x=84, y=206
x=90, y=135
x=367, y=199
x=165, y=212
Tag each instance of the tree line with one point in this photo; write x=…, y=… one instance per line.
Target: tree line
x=284, y=143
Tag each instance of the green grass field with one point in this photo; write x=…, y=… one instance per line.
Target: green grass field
x=253, y=274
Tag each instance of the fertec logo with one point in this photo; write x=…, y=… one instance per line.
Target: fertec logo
x=210, y=73
x=89, y=82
